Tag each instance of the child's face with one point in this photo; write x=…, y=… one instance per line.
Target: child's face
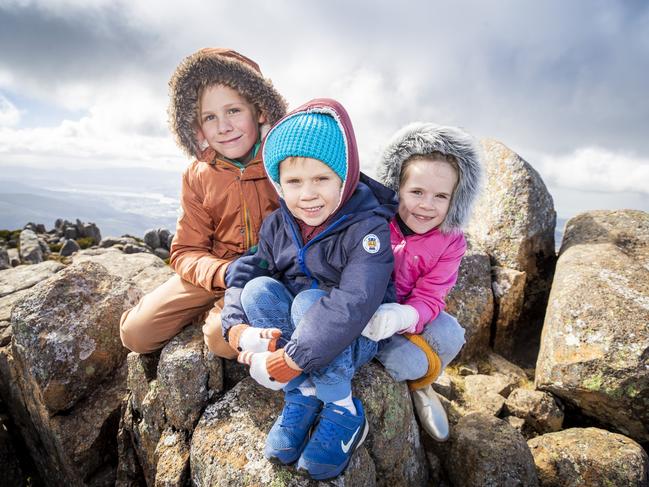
x=425, y=194
x=228, y=122
x=310, y=188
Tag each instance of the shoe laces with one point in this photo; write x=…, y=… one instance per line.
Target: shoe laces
x=292, y=414
x=325, y=432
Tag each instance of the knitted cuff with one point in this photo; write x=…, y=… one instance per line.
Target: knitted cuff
x=234, y=335
x=278, y=369
x=434, y=364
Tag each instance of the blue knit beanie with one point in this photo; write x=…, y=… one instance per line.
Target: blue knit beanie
x=306, y=134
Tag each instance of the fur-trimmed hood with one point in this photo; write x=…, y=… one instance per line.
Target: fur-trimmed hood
x=217, y=66
x=421, y=138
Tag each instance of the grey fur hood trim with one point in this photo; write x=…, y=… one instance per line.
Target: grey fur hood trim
x=216, y=66
x=421, y=138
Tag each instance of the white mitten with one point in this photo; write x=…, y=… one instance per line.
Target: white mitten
x=261, y=365
x=248, y=338
x=390, y=318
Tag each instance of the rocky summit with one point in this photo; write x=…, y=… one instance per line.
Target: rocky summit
x=551, y=388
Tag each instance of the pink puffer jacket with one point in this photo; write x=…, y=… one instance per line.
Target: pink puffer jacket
x=425, y=269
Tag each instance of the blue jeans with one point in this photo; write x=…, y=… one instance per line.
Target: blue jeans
x=406, y=361
x=268, y=304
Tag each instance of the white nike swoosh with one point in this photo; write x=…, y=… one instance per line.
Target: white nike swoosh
x=345, y=446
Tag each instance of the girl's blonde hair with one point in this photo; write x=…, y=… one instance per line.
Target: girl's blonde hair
x=434, y=156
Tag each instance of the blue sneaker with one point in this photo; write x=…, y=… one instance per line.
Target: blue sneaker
x=336, y=436
x=289, y=434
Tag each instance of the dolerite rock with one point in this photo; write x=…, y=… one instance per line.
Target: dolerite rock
x=24, y=277
x=30, y=248
x=35, y=227
x=228, y=443
x=14, y=257
x=172, y=459
x=182, y=379
x=539, y=409
x=45, y=249
x=161, y=253
x=112, y=241
x=145, y=270
x=134, y=249
x=486, y=393
x=14, y=285
x=69, y=248
x=471, y=302
x=165, y=238
x=595, y=346
x=65, y=333
x=143, y=420
x=63, y=373
x=589, y=457
x=393, y=440
x=168, y=392
x=70, y=231
x=90, y=230
x=487, y=451
x=4, y=259
x=152, y=239
x=514, y=221
x=509, y=291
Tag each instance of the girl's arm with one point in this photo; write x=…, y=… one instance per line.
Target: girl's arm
x=429, y=294
x=191, y=256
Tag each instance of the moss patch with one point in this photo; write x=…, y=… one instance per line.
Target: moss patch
x=594, y=383
x=85, y=242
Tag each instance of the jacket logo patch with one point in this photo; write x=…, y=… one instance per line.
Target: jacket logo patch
x=371, y=243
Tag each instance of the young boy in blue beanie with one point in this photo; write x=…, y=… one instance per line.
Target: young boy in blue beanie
x=328, y=251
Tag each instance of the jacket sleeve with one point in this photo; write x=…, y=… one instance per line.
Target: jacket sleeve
x=233, y=313
x=336, y=320
x=191, y=256
x=429, y=294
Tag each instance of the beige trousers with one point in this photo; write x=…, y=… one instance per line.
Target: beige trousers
x=164, y=312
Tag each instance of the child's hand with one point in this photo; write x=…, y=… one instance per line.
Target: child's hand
x=262, y=363
x=245, y=338
x=391, y=318
x=240, y=271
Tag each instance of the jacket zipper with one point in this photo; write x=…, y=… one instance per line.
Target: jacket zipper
x=301, y=254
x=247, y=238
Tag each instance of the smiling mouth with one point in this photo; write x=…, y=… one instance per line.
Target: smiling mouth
x=312, y=210
x=423, y=218
x=230, y=141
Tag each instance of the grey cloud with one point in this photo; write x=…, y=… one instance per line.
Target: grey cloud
x=75, y=46
x=548, y=76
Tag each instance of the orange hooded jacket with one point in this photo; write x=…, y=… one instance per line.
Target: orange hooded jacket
x=222, y=205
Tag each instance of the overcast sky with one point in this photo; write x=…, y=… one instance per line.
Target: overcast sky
x=563, y=83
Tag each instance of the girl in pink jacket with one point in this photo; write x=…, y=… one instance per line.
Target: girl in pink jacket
x=437, y=173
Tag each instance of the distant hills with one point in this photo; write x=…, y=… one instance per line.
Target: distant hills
x=119, y=201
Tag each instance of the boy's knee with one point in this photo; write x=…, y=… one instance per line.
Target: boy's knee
x=132, y=336
x=305, y=299
x=255, y=287
x=213, y=337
